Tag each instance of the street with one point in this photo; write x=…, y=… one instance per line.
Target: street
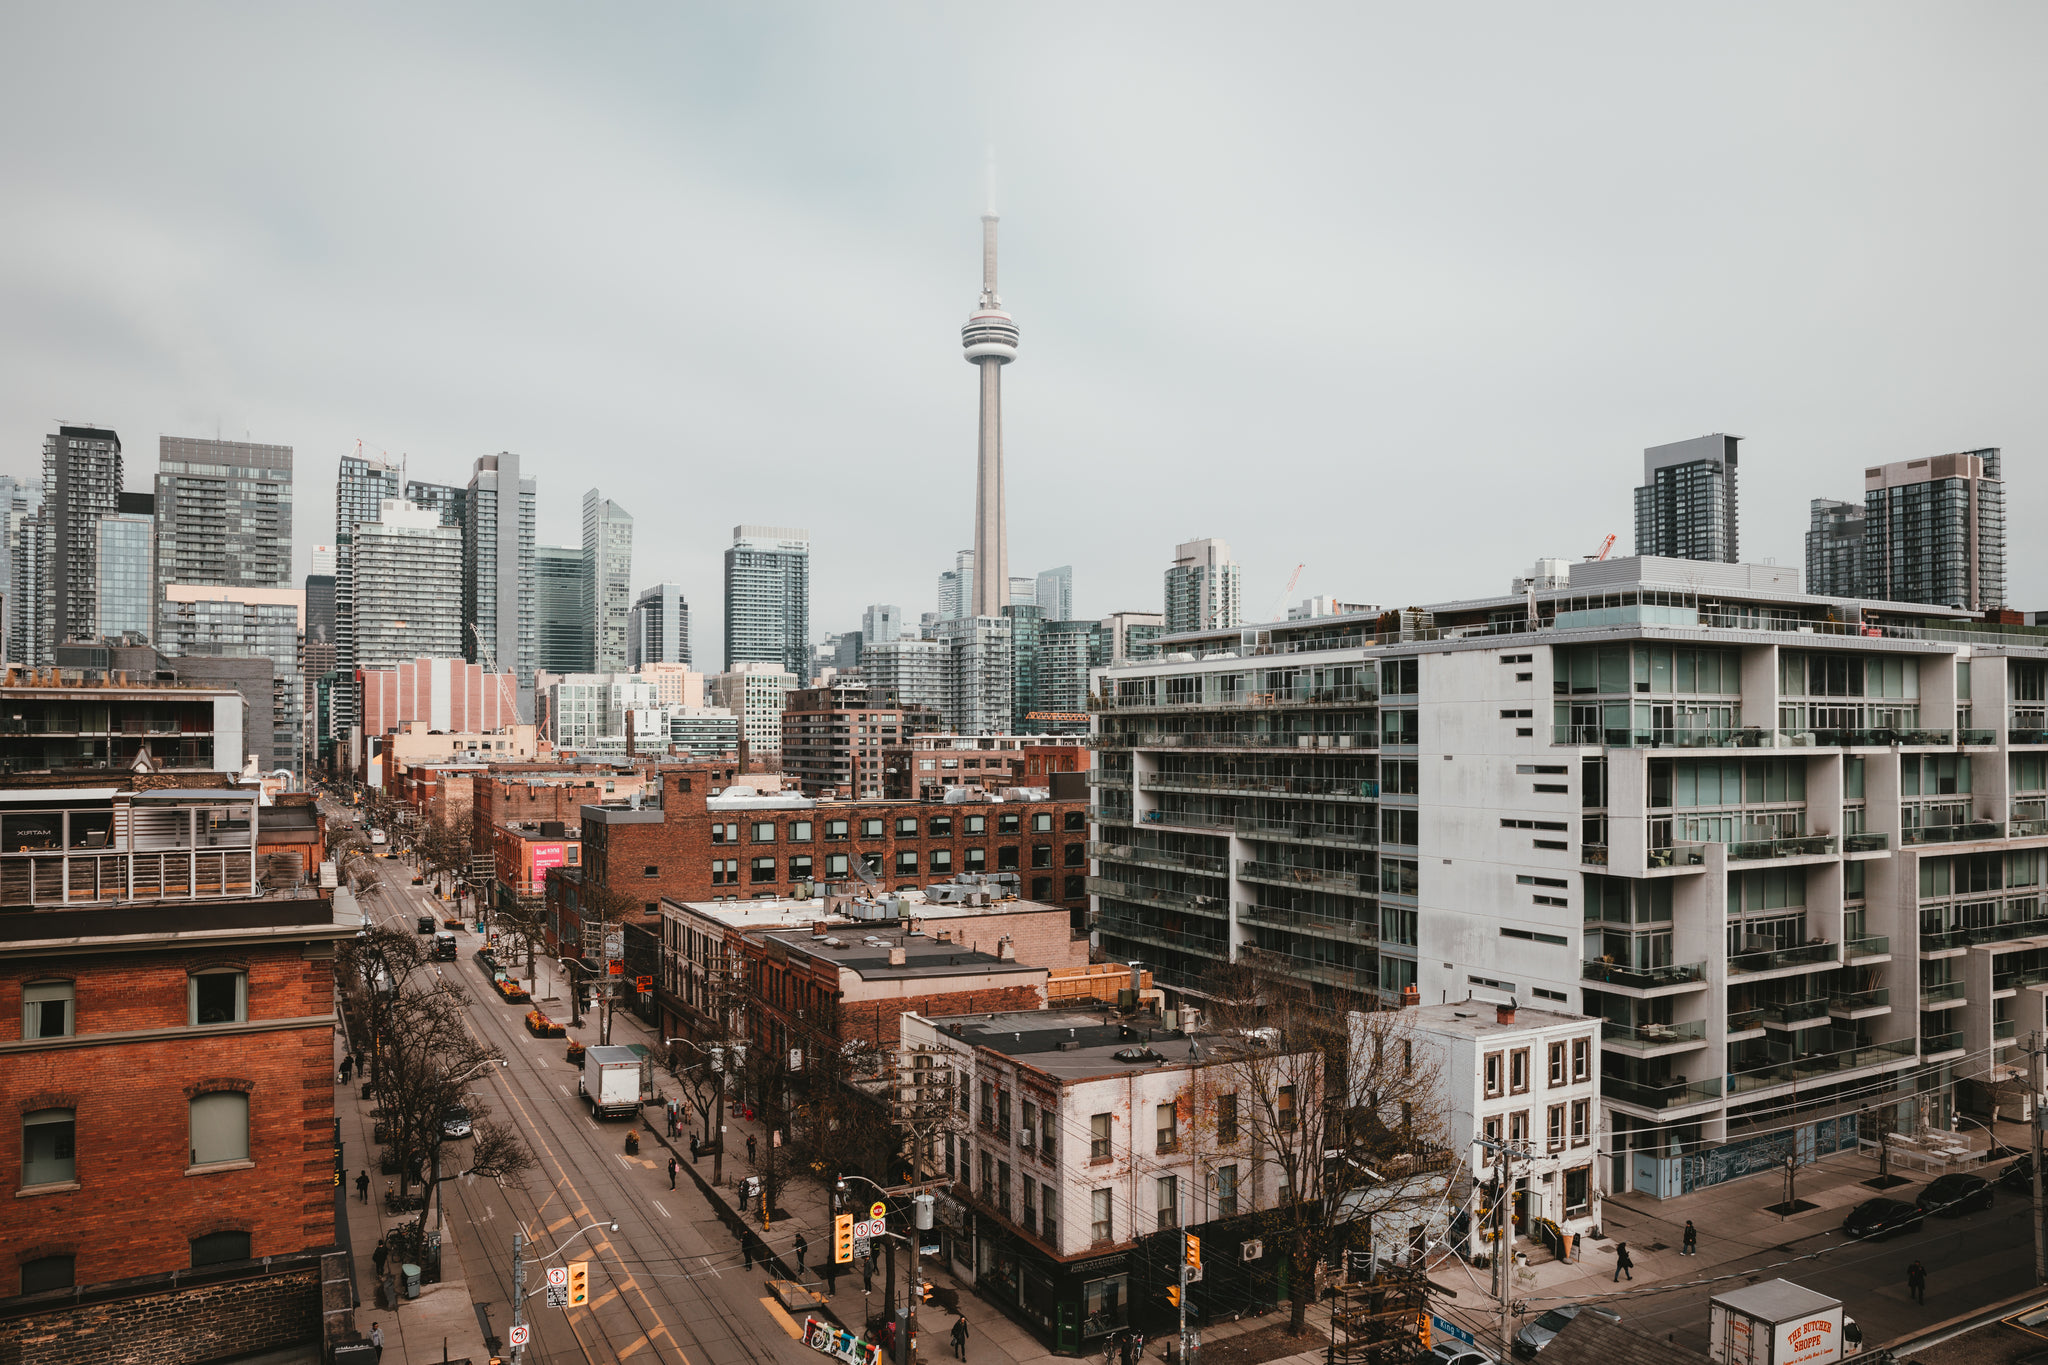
x=669, y=1284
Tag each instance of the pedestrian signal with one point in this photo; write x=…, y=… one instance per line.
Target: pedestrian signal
x=842, y=1238
x=579, y=1283
x=1173, y=1295
x=1195, y=1252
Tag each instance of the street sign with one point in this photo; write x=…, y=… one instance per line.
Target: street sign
x=615, y=967
x=643, y=984
x=1451, y=1329
x=558, y=1276
x=878, y=1210
x=614, y=945
x=517, y=1336
x=558, y=1296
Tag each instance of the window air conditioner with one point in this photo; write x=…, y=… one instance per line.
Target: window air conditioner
x=1252, y=1250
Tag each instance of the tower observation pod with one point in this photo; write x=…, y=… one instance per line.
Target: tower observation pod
x=990, y=340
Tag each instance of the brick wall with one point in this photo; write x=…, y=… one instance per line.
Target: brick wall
x=204, y=1323
x=136, y=1207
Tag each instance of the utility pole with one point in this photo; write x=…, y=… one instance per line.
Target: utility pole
x=1185, y=1353
x=2040, y=1229
x=518, y=1284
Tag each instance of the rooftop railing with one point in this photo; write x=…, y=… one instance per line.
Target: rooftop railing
x=1742, y=1021
x=1879, y=738
x=1971, y=935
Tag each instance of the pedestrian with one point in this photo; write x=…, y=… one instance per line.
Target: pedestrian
x=347, y=1063
x=960, y=1338
x=803, y=1249
x=867, y=1274
x=696, y=1149
x=363, y=1187
x=359, y=1059
x=1916, y=1281
x=1692, y=1239
x=1622, y=1264
x=750, y=1149
x=747, y=1248
x=671, y=1172
x=380, y=1255
x=377, y=1339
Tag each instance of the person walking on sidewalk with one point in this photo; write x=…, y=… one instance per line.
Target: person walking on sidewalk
x=1916, y=1282
x=671, y=1172
x=1692, y=1240
x=377, y=1339
x=1622, y=1264
x=803, y=1249
x=960, y=1338
x=750, y=1150
x=379, y=1256
x=347, y=1064
x=363, y=1187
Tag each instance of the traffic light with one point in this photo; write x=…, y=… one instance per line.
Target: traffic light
x=1422, y=1330
x=1195, y=1252
x=924, y=1291
x=842, y=1238
x=1173, y=1295
x=579, y=1283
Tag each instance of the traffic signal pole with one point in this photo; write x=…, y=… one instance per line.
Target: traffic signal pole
x=1184, y=1353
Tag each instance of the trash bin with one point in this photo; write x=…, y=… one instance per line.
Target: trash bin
x=412, y=1280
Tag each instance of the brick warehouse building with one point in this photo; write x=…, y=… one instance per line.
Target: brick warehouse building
x=166, y=1046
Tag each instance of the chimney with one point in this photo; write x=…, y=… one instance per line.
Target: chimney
x=896, y=955
x=1006, y=951
x=1505, y=1014
x=819, y=928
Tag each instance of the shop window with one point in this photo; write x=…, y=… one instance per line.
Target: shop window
x=1103, y=1305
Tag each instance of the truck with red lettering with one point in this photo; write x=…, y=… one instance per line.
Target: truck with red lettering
x=1779, y=1323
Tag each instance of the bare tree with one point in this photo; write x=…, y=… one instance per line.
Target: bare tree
x=1344, y=1109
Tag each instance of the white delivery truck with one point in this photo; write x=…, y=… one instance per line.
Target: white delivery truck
x=1779, y=1323
x=613, y=1082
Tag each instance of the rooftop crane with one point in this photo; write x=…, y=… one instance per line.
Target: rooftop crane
x=489, y=660
x=1280, y=604
x=1605, y=546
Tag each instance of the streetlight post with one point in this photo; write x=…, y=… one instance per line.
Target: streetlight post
x=519, y=1269
x=716, y=1057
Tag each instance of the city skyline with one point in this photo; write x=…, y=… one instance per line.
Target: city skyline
x=1598, y=321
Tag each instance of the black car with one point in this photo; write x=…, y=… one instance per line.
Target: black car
x=1875, y=1219
x=2019, y=1176
x=427, y=925
x=1952, y=1196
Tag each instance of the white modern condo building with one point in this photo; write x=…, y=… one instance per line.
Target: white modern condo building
x=1791, y=849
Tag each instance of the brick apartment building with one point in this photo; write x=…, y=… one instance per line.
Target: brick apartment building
x=924, y=767
x=834, y=738
x=529, y=793
x=166, y=1046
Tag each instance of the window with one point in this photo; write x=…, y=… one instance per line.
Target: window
x=1041, y=888
x=46, y=1009
x=1582, y=1111
x=49, y=1147
x=799, y=831
x=988, y=1175
x=1009, y=822
x=1003, y=1113
x=1517, y=715
x=48, y=1272
x=1074, y=821
x=906, y=826
x=1029, y=1137
x=1169, y=1129
x=1283, y=1109
x=1553, y=1128
x=650, y=870
x=1076, y=855
x=1052, y=1220
x=1041, y=855
x=1041, y=823
x=835, y=864
x=977, y=824
x=977, y=859
x=1529, y=934
x=725, y=834
x=1006, y=858
x=942, y=860
x=939, y=827
x=1518, y=1126
x=800, y=868
x=1226, y=1191
x=1491, y=1127
x=1527, y=880
x=871, y=829
x=218, y=1247
x=764, y=869
x=1577, y=1185
x=1003, y=1188
x=1098, y=1137
x=1557, y=1063
x=1494, y=1062
x=220, y=1128
x=1518, y=1070
x=764, y=831
x=906, y=862
x=1099, y=1226
x=1077, y=887
x=1226, y=1118
x=219, y=998
x=835, y=829
x=1168, y=1196
x=1030, y=1193
x=1582, y=1058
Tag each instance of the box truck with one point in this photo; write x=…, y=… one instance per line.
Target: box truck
x=613, y=1081
x=1779, y=1323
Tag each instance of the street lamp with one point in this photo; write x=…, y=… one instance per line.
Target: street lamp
x=716, y=1056
x=519, y=1295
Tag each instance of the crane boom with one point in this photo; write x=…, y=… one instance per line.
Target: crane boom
x=1280, y=604
x=489, y=660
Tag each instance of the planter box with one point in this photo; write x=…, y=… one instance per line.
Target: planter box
x=540, y=1026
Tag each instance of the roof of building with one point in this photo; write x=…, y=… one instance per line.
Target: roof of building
x=1081, y=1045
x=1590, y=1339
x=797, y=913
x=1479, y=1018
x=868, y=957
x=1776, y=1300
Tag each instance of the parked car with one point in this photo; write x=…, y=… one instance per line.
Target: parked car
x=1537, y=1334
x=1956, y=1194
x=2019, y=1176
x=1454, y=1353
x=455, y=1123
x=1876, y=1219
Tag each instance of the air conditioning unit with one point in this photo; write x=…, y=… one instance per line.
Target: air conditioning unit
x=1252, y=1250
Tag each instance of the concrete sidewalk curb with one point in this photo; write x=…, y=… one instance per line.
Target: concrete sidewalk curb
x=2004, y=1308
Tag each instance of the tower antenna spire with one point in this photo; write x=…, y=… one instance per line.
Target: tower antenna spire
x=990, y=340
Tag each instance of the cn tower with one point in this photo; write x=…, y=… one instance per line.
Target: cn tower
x=990, y=339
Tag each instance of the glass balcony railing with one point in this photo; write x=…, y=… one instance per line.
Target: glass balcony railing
x=1968, y=736
x=1953, y=834
x=1866, y=843
x=1805, y=1011
x=1638, y=1037
x=1317, y=878
x=2003, y=1029
x=1931, y=1043
x=1752, y=850
x=2026, y=829
x=1151, y=895
x=1595, y=855
x=1659, y=1096
x=1940, y=992
x=1821, y=738
x=1801, y=955
x=1310, y=831
x=1678, y=855
x=1847, y=1002
x=2019, y=981
x=1816, y=1064
x=1629, y=737
x=1360, y=929
x=1969, y=937
x=1869, y=945
x=1742, y=1021
x=1168, y=859
x=1644, y=978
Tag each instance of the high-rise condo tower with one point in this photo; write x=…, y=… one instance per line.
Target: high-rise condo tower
x=990, y=339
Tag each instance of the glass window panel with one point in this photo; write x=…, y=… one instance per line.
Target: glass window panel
x=220, y=1128
x=49, y=1147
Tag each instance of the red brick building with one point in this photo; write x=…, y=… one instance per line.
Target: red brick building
x=169, y=1064
x=834, y=738
x=526, y=793
x=926, y=766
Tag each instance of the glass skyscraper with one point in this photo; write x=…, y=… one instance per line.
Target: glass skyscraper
x=768, y=598
x=563, y=631
x=127, y=579
x=608, y=578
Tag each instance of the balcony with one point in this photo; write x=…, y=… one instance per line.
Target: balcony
x=1867, y=946
x=1313, y=878
x=1980, y=737
x=1933, y=941
x=1146, y=856
x=1860, y=1004
x=1679, y=855
x=2019, y=981
x=1933, y=1045
x=1653, y=1039
x=2028, y=726
x=1744, y=1021
x=1966, y=832
x=1356, y=979
x=1244, y=784
x=1798, y=846
x=2003, y=1030
x=1181, y=819
x=1595, y=855
x=1359, y=930
x=1659, y=1097
x=1862, y=739
x=1818, y=1064
x=1104, y=777
x=1797, y=1013
x=2026, y=829
x=1630, y=738
x=1152, y=895
x=1941, y=995
x=1803, y=955
x=1229, y=740
x=1192, y=945
x=1348, y=694
x=1866, y=843
x=1308, y=832
x=1686, y=975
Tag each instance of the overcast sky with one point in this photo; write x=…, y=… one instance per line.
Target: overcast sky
x=1399, y=293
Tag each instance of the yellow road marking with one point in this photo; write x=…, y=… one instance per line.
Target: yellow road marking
x=638, y=1342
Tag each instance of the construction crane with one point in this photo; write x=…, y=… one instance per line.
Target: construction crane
x=1605, y=546
x=1280, y=604
x=489, y=660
